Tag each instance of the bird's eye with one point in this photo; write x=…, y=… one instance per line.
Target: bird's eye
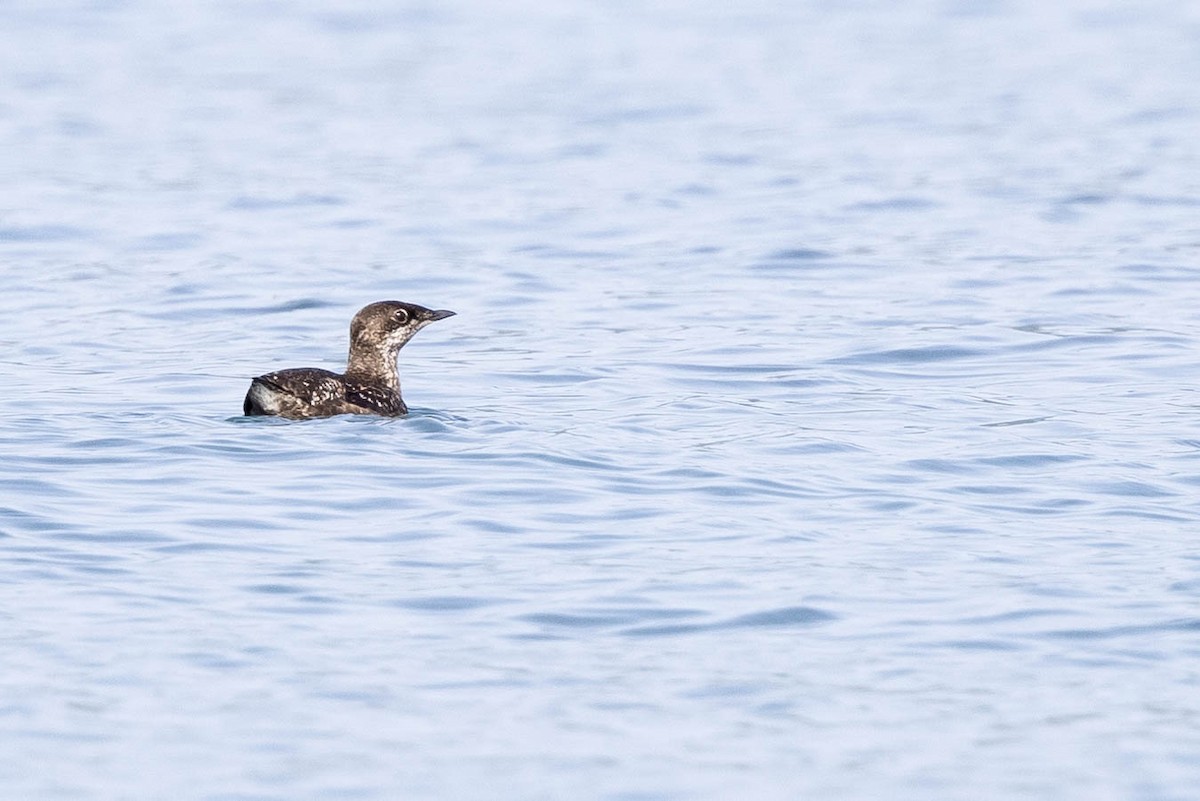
x=401, y=316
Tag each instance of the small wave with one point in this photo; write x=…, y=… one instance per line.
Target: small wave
x=932, y=353
x=785, y=617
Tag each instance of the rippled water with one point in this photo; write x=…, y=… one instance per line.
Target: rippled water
x=818, y=420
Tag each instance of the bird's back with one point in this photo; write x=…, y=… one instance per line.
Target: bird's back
x=298, y=393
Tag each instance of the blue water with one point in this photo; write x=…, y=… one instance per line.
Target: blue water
x=819, y=419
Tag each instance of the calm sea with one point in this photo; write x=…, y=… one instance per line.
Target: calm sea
x=819, y=420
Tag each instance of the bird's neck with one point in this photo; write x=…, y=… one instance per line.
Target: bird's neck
x=373, y=365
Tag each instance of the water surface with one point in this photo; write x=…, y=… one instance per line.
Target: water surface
x=817, y=422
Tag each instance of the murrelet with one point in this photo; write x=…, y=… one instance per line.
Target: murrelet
x=371, y=383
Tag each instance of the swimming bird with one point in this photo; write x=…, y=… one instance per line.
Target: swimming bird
x=371, y=383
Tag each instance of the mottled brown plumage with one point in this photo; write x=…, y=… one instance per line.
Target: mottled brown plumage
x=371, y=383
